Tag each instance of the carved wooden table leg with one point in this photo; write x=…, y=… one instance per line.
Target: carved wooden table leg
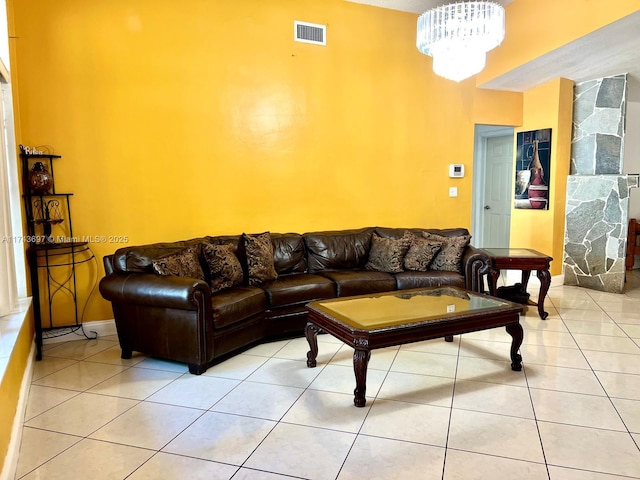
x=515, y=330
x=360, y=363
x=545, y=281
x=311, y=332
x=494, y=273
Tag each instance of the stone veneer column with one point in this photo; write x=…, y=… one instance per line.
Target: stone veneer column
x=596, y=231
x=597, y=193
x=599, y=109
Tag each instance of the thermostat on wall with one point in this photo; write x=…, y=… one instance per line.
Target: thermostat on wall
x=456, y=170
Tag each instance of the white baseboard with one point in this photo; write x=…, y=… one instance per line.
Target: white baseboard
x=11, y=460
x=101, y=328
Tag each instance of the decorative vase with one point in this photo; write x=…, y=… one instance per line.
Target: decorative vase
x=538, y=190
x=40, y=180
x=537, y=196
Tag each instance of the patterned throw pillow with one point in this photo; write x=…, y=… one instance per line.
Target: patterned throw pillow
x=225, y=270
x=450, y=256
x=421, y=252
x=387, y=254
x=259, y=251
x=185, y=263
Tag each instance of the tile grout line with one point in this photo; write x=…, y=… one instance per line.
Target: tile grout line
x=373, y=401
x=601, y=386
x=453, y=393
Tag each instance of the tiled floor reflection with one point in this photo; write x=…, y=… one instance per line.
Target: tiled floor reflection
x=435, y=410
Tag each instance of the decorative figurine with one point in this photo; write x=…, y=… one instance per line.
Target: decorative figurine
x=40, y=179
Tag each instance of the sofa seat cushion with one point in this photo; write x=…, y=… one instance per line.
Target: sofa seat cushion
x=360, y=282
x=298, y=288
x=430, y=278
x=236, y=304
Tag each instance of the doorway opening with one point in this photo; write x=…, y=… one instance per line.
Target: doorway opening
x=492, y=186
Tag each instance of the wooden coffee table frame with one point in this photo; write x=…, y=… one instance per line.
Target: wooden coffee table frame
x=364, y=340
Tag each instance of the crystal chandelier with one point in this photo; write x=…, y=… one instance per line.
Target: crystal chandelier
x=459, y=35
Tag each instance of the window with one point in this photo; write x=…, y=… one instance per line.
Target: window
x=12, y=265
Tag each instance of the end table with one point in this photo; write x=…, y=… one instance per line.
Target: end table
x=520, y=259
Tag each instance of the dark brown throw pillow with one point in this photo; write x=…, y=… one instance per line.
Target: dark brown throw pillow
x=225, y=270
x=387, y=254
x=450, y=256
x=185, y=263
x=259, y=252
x=421, y=253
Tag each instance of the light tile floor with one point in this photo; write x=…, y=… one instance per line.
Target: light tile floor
x=435, y=410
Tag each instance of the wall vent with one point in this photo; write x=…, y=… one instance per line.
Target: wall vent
x=310, y=33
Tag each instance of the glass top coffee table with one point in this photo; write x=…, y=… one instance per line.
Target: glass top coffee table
x=367, y=322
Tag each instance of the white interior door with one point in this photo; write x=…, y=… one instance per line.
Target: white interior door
x=497, y=192
x=492, y=186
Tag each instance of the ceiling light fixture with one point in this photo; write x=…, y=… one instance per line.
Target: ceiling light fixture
x=459, y=35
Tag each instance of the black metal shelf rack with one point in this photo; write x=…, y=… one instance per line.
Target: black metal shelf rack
x=51, y=248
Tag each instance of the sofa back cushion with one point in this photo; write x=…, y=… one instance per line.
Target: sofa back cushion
x=399, y=232
x=338, y=250
x=140, y=258
x=289, y=254
x=234, y=240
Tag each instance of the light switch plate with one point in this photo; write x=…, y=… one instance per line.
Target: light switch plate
x=453, y=191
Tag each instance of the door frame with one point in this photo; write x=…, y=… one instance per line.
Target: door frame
x=481, y=134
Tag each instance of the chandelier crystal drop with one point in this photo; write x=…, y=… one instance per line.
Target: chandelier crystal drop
x=459, y=35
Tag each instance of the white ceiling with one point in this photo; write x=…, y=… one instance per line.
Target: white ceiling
x=612, y=50
x=414, y=6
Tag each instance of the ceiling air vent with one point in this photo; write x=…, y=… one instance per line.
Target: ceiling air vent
x=310, y=33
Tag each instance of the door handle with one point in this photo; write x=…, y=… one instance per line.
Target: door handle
x=487, y=207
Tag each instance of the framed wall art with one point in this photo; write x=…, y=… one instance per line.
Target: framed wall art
x=533, y=162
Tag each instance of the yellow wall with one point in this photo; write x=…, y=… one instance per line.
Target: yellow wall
x=12, y=380
x=207, y=118
x=203, y=117
x=537, y=27
x=548, y=106
x=494, y=107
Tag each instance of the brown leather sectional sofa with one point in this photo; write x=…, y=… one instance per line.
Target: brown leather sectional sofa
x=180, y=319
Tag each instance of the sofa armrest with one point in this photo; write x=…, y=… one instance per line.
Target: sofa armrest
x=475, y=265
x=156, y=290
